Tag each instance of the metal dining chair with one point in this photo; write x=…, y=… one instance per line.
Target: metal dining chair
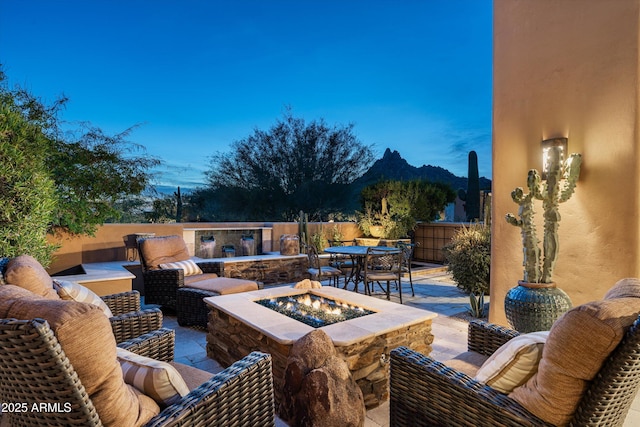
x=344, y=263
x=319, y=272
x=382, y=265
x=407, y=256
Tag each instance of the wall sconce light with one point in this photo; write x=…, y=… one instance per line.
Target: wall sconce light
x=563, y=143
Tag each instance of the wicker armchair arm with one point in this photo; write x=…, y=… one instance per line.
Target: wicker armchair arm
x=210, y=267
x=131, y=325
x=242, y=394
x=124, y=302
x=425, y=392
x=165, y=275
x=485, y=338
x=160, y=286
x=157, y=345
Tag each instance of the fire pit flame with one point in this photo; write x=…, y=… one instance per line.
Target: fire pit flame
x=314, y=310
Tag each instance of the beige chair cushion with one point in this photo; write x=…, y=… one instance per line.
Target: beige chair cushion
x=26, y=272
x=164, y=249
x=189, y=267
x=624, y=288
x=468, y=362
x=156, y=379
x=189, y=280
x=87, y=339
x=225, y=285
x=72, y=291
x=578, y=344
x=193, y=377
x=514, y=362
x=9, y=294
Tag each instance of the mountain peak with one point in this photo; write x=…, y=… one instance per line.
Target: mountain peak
x=391, y=155
x=393, y=166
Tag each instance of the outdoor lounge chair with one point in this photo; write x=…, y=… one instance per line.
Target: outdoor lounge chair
x=61, y=369
x=175, y=281
x=588, y=374
x=128, y=319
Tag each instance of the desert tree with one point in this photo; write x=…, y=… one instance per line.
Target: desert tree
x=89, y=170
x=293, y=166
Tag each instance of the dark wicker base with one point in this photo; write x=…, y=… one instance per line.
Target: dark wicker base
x=191, y=310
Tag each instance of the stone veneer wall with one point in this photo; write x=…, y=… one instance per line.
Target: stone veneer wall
x=268, y=271
x=229, y=340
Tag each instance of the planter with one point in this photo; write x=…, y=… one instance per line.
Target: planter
x=531, y=307
x=370, y=241
x=376, y=230
x=289, y=244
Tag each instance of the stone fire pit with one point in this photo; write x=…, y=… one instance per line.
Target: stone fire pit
x=238, y=325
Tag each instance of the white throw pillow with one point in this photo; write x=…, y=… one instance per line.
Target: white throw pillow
x=189, y=266
x=513, y=363
x=158, y=380
x=76, y=292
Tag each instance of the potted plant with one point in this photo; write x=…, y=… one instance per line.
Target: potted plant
x=383, y=224
x=536, y=302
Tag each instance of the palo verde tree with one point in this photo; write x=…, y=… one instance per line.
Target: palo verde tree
x=89, y=170
x=294, y=166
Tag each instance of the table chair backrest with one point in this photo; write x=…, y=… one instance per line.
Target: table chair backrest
x=383, y=259
x=342, y=242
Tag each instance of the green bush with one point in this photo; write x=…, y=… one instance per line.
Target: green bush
x=27, y=193
x=468, y=256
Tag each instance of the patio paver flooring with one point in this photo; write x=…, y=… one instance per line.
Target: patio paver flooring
x=434, y=292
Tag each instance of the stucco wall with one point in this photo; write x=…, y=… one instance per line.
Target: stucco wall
x=108, y=242
x=567, y=68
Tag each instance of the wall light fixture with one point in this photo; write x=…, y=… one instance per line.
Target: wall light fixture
x=563, y=143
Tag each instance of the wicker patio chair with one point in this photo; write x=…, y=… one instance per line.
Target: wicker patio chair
x=161, y=285
x=129, y=320
x=35, y=369
x=425, y=392
x=170, y=288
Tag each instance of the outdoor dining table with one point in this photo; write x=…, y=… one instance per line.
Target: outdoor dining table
x=357, y=255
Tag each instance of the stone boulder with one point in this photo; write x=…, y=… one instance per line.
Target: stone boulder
x=318, y=387
x=308, y=284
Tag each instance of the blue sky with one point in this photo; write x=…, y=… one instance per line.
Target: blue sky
x=196, y=75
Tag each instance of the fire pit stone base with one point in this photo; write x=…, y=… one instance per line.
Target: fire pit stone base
x=232, y=336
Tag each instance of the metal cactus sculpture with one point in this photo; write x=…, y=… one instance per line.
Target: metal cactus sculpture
x=558, y=188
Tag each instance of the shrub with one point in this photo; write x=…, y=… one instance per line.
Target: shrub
x=468, y=256
x=26, y=190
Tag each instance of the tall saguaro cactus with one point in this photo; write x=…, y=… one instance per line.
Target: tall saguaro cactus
x=558, y=188
x=178, y=197
x=472, y=207
x=471, y=197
